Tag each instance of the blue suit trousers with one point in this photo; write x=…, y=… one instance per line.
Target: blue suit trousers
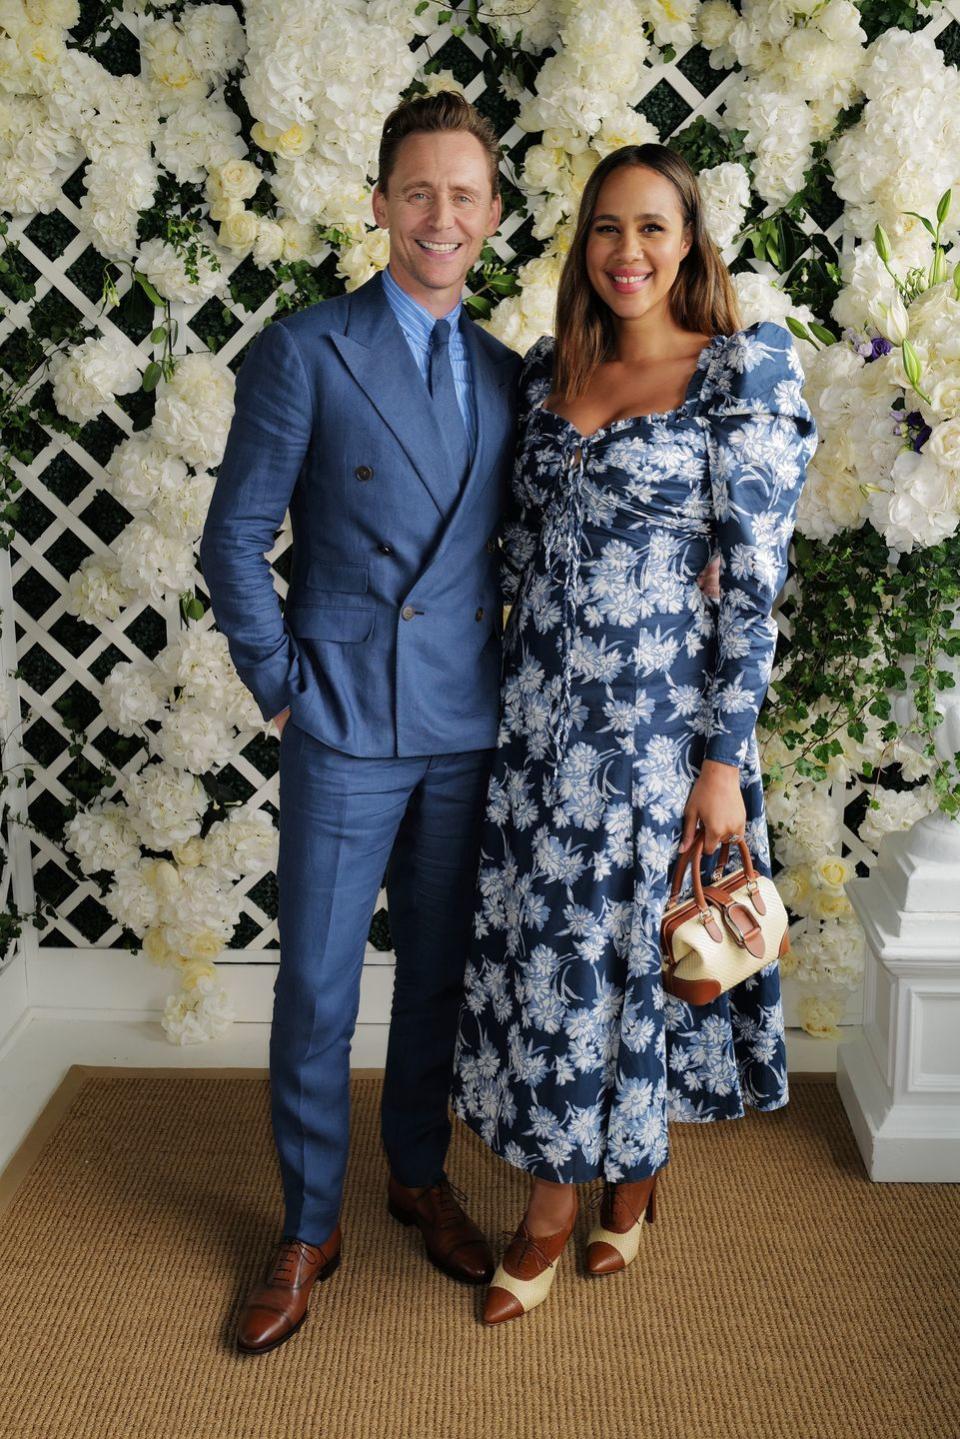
x=345, y=822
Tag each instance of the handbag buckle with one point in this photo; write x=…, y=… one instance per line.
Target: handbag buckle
x=734, y=928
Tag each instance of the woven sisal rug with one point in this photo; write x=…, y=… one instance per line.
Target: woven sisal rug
x=779, y=1293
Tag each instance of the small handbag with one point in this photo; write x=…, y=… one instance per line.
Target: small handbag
x=724, y=932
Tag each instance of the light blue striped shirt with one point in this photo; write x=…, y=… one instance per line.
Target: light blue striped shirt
x=417, y=324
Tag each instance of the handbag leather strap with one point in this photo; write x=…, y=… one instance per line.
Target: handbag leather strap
x=695, y=855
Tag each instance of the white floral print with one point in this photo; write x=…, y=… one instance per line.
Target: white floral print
x=619, y=679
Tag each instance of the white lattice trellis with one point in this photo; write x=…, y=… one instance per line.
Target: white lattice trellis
x=65, y=516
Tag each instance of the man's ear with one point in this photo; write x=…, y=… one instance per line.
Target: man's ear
x=496, y=212
x=379, y=205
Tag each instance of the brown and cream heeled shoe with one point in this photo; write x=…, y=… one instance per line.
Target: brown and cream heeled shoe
x=525, y=1274
x=614, y=1241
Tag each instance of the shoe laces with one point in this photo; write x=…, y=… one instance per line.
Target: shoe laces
x=288, y=1260
x=616, y=1195
x=450, y=1201
x=528, y=1245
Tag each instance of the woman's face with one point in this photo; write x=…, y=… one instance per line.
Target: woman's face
x=636, y=241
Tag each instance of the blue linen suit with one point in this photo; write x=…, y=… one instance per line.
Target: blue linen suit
x=388, y=655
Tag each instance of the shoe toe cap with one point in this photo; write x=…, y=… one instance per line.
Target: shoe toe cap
x=602, y=1258
x=501, y=1305
x=258, y=1328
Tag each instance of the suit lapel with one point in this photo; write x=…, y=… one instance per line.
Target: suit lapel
x=376, y=353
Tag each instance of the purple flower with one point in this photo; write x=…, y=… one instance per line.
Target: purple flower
x=915, y=423
x=879, y=347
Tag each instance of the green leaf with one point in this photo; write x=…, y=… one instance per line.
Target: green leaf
x=148, y=290
x=796, y=327
x=160, y=333
x=151, y=376
x=923, y=220
x=822, y=333
x=943, y=208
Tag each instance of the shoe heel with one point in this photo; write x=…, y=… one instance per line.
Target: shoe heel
x=329, y=1268
x=650, y=1213
x=399, y=1214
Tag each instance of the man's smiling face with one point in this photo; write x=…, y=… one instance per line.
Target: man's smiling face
x=439, y=209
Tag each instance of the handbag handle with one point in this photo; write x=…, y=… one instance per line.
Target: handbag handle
x=695, y=855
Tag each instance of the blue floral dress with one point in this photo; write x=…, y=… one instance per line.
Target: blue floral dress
x=619, y=678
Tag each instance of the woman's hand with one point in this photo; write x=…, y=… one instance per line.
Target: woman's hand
x=281, y=719
x=709, y=578
x=715, y=805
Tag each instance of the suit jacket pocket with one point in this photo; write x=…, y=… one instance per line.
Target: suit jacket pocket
x=330, y=622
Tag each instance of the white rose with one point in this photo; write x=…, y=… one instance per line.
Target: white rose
x=268, y=246
x=944, y=446
x=238, y=231
x=236, y=180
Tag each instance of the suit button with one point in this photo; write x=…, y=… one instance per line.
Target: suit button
x=491, y=547
x=407, y=612
x=364, y=472
x=479, y=615
x=384, y=548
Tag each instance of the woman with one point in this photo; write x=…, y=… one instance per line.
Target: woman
x=652, y=432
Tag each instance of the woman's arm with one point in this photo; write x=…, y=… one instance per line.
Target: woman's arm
x=760, y=438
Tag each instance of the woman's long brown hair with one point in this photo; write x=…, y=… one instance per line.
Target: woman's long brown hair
x=702, y=297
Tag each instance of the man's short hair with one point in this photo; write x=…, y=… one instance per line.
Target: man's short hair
x=447, y=110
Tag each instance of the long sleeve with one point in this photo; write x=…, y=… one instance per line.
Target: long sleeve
x=760, y=438
x=521, y=521
x=268, y=440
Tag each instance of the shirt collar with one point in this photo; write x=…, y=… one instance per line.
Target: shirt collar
x=396, y=292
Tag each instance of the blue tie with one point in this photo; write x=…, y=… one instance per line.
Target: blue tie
x=444, y=394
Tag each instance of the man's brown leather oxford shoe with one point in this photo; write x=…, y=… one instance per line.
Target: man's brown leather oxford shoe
x=454, y=1244
x=276, y=1308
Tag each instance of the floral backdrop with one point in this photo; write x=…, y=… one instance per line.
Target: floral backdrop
x=172, y=175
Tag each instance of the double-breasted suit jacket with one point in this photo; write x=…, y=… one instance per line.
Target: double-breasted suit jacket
x=389, y=643
x=388, y=655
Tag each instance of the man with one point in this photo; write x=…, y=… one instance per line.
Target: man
x=385, y=421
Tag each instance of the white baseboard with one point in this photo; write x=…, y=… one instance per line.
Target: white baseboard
x=112, y=983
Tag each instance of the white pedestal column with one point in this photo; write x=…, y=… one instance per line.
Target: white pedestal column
x=899, y=1079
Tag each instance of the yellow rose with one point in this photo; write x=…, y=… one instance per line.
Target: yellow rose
x=263, y=137
x=162, y=876
x=789, y=963
x=830, y=904
x=194, y=969
x=155, y=945
x=294, y=141
x=834, y=871
x=189, y=853
x=795, y=888
x=819, y=1017
x=203, y=945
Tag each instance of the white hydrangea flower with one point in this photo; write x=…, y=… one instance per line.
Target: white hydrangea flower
x=166, y=805
x=896, y=810
x=194, y=409
x=194, y=739
x=102, y=837
x=129, y=698
x=166, y=269
x=153, y=565
x=244, y=843
x=89, y=376
x=725, y=190
x=197, y=1015
x=96, y=590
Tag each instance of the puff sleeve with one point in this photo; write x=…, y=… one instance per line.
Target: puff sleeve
x=521, y=520
x=760, y=439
